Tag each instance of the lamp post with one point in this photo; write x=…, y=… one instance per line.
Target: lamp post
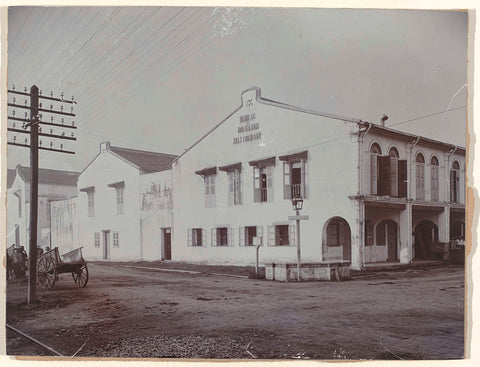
x=297, y=205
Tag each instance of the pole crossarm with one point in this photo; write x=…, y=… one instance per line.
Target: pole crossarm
x=56, y=112
x=58, y=99
x=59, y=125
x=18, y=106
x=17, y=119
x=17, y=92
x=42, y=148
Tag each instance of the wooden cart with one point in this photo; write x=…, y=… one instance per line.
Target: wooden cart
x=50, y=264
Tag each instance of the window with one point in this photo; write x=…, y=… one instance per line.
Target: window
x=97, y=239
x=209, y=191
x=375, y=152
x=263, y=179
x=119, y=191
x=333, y=234
x=116, y=240
x=455, y=182
x=393, y=154
x=91, y=203
x=434, y=179
x=294, y=175
x=196, y=237
x=420, y=176
x=222, y=236
x=234, y=187
x=281, y=235
x=246, y=234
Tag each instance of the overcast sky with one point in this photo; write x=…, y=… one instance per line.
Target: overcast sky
x=159, y=78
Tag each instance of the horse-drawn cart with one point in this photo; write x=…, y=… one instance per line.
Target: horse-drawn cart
x=50, y=264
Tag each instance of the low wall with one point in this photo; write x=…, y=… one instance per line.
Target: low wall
x=286, y=272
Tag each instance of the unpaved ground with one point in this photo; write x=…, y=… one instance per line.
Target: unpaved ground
x=130, y=312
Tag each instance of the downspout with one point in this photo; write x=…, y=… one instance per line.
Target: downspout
x=361, y=175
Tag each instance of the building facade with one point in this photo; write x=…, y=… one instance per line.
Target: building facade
x=372, y=194
x=124, y=205
x=52, y=185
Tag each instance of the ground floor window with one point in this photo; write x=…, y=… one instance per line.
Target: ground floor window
x=281, y=235
x=97, y=239
x=247, y=235
x=196, y=237
x=116, y=239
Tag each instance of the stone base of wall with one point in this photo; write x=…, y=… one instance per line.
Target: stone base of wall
x=329, y=270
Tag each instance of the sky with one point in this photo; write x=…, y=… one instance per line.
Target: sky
x=159, y=78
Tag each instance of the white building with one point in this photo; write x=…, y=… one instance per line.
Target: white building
x=52, y=185
x=373, y=194
x=124, y=205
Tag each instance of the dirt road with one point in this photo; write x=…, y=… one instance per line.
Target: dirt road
x=131, y=312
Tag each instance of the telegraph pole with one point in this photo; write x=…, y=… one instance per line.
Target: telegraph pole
x=32, y=253
x=33, y=124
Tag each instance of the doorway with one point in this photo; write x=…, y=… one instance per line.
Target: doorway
x=167, y=244
x=426, y=233
x=106, y=244
x=386, y=239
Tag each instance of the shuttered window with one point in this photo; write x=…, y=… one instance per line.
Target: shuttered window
x=91, y=203
x=97, y=239
x=196, y=237
x=294, y=175
x=263, y=184
x=455, y=182
x=420, y=177
x=209, y=191
x=221, y=236
x=375, y=151
x=434, y=190
x=234, y=187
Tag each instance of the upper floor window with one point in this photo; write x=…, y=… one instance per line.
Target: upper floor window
x=420, y=176
x=294, y=175
x=234, y=172
x=116, y=239
x=375, y=152
x=434, y=179
x=455, y=182
x=209, y=191
x=388, y=174
x=209, y=177
x=97, y=239
x=91, y=203
x=119, y=192
x=263, y=180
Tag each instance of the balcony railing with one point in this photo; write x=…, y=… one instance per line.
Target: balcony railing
x=297, y=191
x=264, y=194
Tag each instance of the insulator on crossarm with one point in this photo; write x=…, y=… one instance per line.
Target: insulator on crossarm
x=73, y=123
x=25, y=89
x=61, y=146
x=13, y=86
x=25, y=102
x=40, y=92
x=62, y=120
x=14, y=125
x=26, y=141
x=51, y=94
x=40, y=105
x=51, y=107
x=61, y=95
x=72, y=134
x=13, y=99
x=71, y=110
x=14, y=138
x=51, y=131
x=26, y=115
x=24, y=126
x=39, y=129
x=51, y=144
x=51, y=119
x=63, y=133
x=61, y=108
x=40, y=143
x=13, y=113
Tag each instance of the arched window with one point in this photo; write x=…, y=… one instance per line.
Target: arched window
x=420, y=176
x=393, y=153
x=375, y=151
x=455, y=182
x=434, y=178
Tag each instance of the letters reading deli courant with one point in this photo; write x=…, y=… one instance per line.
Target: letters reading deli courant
x=250, y=125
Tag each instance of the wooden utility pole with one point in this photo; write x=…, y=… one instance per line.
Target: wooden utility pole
x=35, y=145
x=32, y=253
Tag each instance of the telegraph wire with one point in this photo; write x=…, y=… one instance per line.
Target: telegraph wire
x=430, y=115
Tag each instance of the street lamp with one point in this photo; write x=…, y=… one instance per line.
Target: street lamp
x=297, y=205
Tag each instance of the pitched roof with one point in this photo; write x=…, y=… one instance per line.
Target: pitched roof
x=147, y=161
x=50, y=176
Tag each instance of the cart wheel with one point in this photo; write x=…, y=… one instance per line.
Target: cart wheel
x=46, y=272
x=80, y=276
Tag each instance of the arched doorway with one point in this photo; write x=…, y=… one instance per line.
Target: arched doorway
x=336, y=244
x=457, y=230
x=386, y=235
x=426, y=232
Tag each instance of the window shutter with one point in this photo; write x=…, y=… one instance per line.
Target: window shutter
x=457, y=186
x=230, y=236
x=384, y=175
x=302, y=187
x=241, y=236
x=287, y=192
x=271, y=235
x=394, y=176
x=269, y=171
x=204, y=237
x=420, y=181
x=240, y=193
x=257, y=189
x=189, y=237
x=214, y=237
x=292, y=234
x=373, y=174
x=402, y=178
x=230, y=188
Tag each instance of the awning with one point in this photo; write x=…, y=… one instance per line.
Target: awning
x=231, y=167
x=88, y=189
x=263, y=162
x=117, y=185
x=207, y=171
x=294, y=156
